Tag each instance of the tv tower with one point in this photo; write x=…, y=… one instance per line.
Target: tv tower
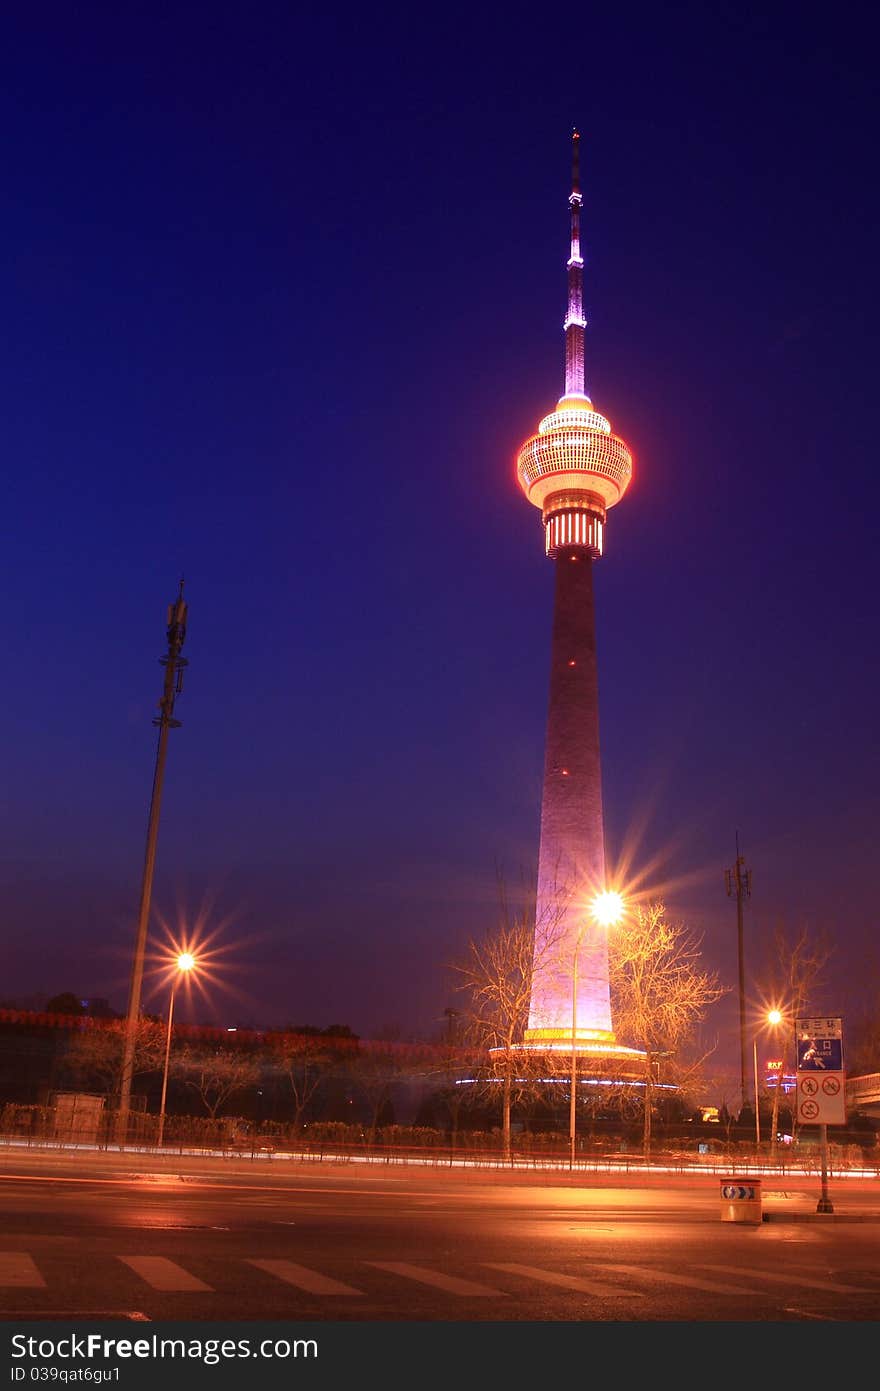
x=574, y=469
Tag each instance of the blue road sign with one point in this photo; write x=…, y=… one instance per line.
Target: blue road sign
x=819, y=1054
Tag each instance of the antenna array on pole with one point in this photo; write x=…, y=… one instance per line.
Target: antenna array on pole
x=738, y=883
x=174, y=665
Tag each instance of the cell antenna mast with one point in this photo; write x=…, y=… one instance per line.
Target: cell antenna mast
x=174, y=665
x=738, y=883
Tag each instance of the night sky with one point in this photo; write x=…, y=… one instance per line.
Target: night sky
x=282, y=294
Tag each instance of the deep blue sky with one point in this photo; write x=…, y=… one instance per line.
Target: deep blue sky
x=282, y=293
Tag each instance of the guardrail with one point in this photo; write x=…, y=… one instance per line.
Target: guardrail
x=35, y=1128
x=863, y=1089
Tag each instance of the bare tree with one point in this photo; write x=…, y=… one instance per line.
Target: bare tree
x=304, y=1059
x=660, y=992
x=453, y=1067
x=215, y=1074
x=380, y=1063
x=94, y=1054
x=496, y=978
x=796, y=968
x=796, y=972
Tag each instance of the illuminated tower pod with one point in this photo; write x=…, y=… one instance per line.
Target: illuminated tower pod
x=574, y=469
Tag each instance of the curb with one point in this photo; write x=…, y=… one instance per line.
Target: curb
x=820, y=1217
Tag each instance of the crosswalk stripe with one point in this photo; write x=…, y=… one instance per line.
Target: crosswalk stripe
x=303, y=1278
x=162, y=1274
x=831, y=1286
x=18, y=1269
x=450, y=1283
x=565, y=1282
x=688, y=1281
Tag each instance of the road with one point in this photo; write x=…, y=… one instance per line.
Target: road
x=141, y=1238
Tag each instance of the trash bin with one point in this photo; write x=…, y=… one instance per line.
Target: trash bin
x=741, y=1200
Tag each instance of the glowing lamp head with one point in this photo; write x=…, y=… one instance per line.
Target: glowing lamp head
x=185, y=961
x=607, y=908
x=774, y=1017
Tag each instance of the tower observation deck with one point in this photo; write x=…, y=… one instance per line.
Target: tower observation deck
x=574, y=469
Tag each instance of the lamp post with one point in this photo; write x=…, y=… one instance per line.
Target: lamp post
x=185, y=962
x=774, y=1019
x=606, y=910
x=757, y=1104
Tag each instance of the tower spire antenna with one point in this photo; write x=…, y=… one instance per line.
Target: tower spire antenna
x=575, y=323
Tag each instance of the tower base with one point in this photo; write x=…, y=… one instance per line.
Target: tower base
x=596, y=1044
x=553, y=1058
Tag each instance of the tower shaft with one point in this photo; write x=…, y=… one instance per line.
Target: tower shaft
x=571, y=861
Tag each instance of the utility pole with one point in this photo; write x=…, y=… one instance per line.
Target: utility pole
x=174, y=666
x=451, y=1026
x=738, y=881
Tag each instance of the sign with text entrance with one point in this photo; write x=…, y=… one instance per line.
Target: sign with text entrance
x=821, y=1080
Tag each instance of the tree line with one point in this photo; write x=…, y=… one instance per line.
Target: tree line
x=662, y=996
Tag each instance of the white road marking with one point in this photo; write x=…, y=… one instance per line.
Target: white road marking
x=303, y=1278
x=810, y=1314
x=450, y=1283
x=664, y=1277
x=162, y=1274
x=565, y=1282
x=134, y=1314
x=807, y=1281
x=18, y=1269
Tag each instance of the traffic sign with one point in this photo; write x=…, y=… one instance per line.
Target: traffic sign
x=821, y=1092
x=819, y=1054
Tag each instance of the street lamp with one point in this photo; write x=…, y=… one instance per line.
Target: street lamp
x=185, y=963
x=606, y=910
x=774, y=1019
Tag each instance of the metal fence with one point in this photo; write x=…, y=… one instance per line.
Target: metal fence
x=78, y=1125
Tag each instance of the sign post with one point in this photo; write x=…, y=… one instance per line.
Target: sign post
x=821, y=1085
